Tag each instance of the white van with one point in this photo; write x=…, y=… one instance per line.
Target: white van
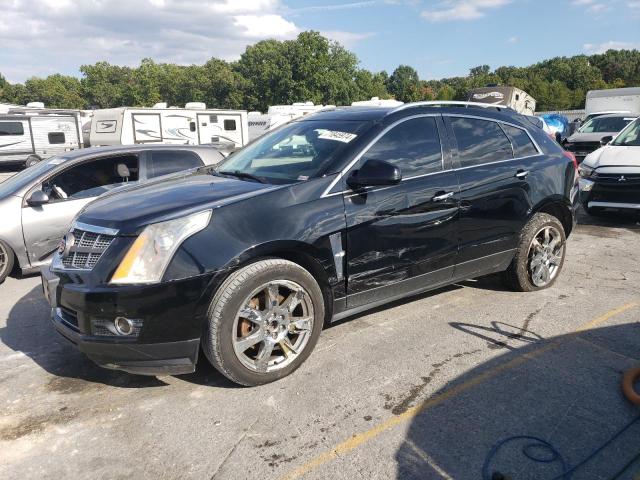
x=27, y=138
x=612, y=100
x=192, y=125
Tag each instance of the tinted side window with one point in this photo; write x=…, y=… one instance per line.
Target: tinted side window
x=413, y=146
x=165, y=162
x=522, y=144
x=11, y=128
x=229, y=124
x=56, y=137
x=480, y=141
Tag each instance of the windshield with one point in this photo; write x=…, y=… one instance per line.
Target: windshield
x=295, y=152
x=630, y=136
x=28, y=175
x=605, y=124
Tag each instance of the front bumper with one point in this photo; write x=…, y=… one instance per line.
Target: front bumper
x=171, y=315
x=608, y=194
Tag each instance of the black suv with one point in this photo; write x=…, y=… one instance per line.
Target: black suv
x=323, y=218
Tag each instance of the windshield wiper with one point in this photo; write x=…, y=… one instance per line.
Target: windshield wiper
x=241, y=174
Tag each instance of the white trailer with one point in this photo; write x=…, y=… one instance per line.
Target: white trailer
x=277, y=115
x=613, y=100
x=192, y=125
x=512, y=97
x=30, y=137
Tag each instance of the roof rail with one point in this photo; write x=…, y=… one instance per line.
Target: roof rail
x=448, y=102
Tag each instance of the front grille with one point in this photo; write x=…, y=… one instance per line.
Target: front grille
x=582, y=147
x=615, y=192
x=86, y=250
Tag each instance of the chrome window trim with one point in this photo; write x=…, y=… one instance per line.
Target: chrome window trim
x=94, y=228
x=373, y=142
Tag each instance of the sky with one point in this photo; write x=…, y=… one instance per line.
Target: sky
x=440, y=38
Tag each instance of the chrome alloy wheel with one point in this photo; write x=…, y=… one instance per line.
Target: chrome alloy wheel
x=4, y=259
x=273, y=326
x=545, y=255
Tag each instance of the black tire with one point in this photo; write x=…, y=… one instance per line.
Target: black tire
x=31, y=161
x=7, y=260
x=218, y=339
x=518, y=276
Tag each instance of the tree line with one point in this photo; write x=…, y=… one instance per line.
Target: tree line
x=314, y=68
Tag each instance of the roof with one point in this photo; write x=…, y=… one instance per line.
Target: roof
x=380, y=113
x=618, y=115
x=613, y=92
x=106, y=150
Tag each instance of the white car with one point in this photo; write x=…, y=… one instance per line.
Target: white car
x=610, y=176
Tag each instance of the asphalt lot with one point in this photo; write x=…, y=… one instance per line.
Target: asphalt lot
x=421, y=389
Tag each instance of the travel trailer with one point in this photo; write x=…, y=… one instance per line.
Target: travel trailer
x=32, y=136
x=377, y=102
x=192, y=125
x=277, y=115
x=512, y=97
x=39, y=108
x=612, y=100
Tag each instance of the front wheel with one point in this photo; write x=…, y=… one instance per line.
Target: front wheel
x=540, y=255
x=263, y=322
x=6, y=261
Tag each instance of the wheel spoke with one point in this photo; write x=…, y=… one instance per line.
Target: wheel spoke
x=287, y=347
x=535, y=262
x=545, y=274
x=272, y=296
x=535, y=243
x=251, y=314
x=244, y=343
x=547, y=236
x=262, y=359
x=293, y=300
x=555, y=259
x=302, y=324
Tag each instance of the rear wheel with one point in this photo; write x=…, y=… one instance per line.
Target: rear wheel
x=6, y=260
x=264, y=321
x=540, y=255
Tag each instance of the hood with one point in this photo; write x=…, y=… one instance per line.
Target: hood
x=614, y=156
x=129, y=209
x=590, y=137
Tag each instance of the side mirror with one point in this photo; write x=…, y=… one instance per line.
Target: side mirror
x=605, y=140
x=559, y=137
x=374, y=173
x=37, y=198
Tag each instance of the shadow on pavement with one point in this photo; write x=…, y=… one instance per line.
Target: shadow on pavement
x=565, y=390
x=29, y=331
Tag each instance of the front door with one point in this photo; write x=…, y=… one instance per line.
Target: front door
x=401, y=238
x=69, y=191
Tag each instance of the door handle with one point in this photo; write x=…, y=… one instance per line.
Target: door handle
x=442, y=197
x=522, y=174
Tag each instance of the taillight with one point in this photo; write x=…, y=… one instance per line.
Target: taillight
x=572, y=157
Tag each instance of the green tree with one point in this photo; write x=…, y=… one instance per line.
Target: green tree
x=404, y=84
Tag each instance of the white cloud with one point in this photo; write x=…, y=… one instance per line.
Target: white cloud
x=592, y=48
x=43, y=36
x=512, y=40
x=347, y=39
x=450, y=10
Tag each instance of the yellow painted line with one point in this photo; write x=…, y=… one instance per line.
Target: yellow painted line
x=359, y=438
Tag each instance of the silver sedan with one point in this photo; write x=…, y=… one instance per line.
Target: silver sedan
x=38, y=204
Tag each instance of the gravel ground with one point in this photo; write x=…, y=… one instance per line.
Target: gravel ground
x=420, y=389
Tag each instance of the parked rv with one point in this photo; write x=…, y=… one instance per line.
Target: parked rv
x=192, y=125
x=31, y=136
x=512, y=97
x=613, y=100
x=278, y=115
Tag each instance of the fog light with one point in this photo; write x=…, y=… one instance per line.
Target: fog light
x=124, y=326
x=586, y=185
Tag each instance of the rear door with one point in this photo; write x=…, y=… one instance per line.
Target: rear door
x=493, y=161
x=402, y=238
x=164, y=162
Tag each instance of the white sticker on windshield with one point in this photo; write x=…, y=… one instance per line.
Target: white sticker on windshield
x=338, y=136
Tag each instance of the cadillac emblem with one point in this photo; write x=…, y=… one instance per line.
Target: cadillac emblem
x=66, y=243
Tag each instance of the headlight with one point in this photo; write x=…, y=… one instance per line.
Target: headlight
x=149, y=256
x=585, y=171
